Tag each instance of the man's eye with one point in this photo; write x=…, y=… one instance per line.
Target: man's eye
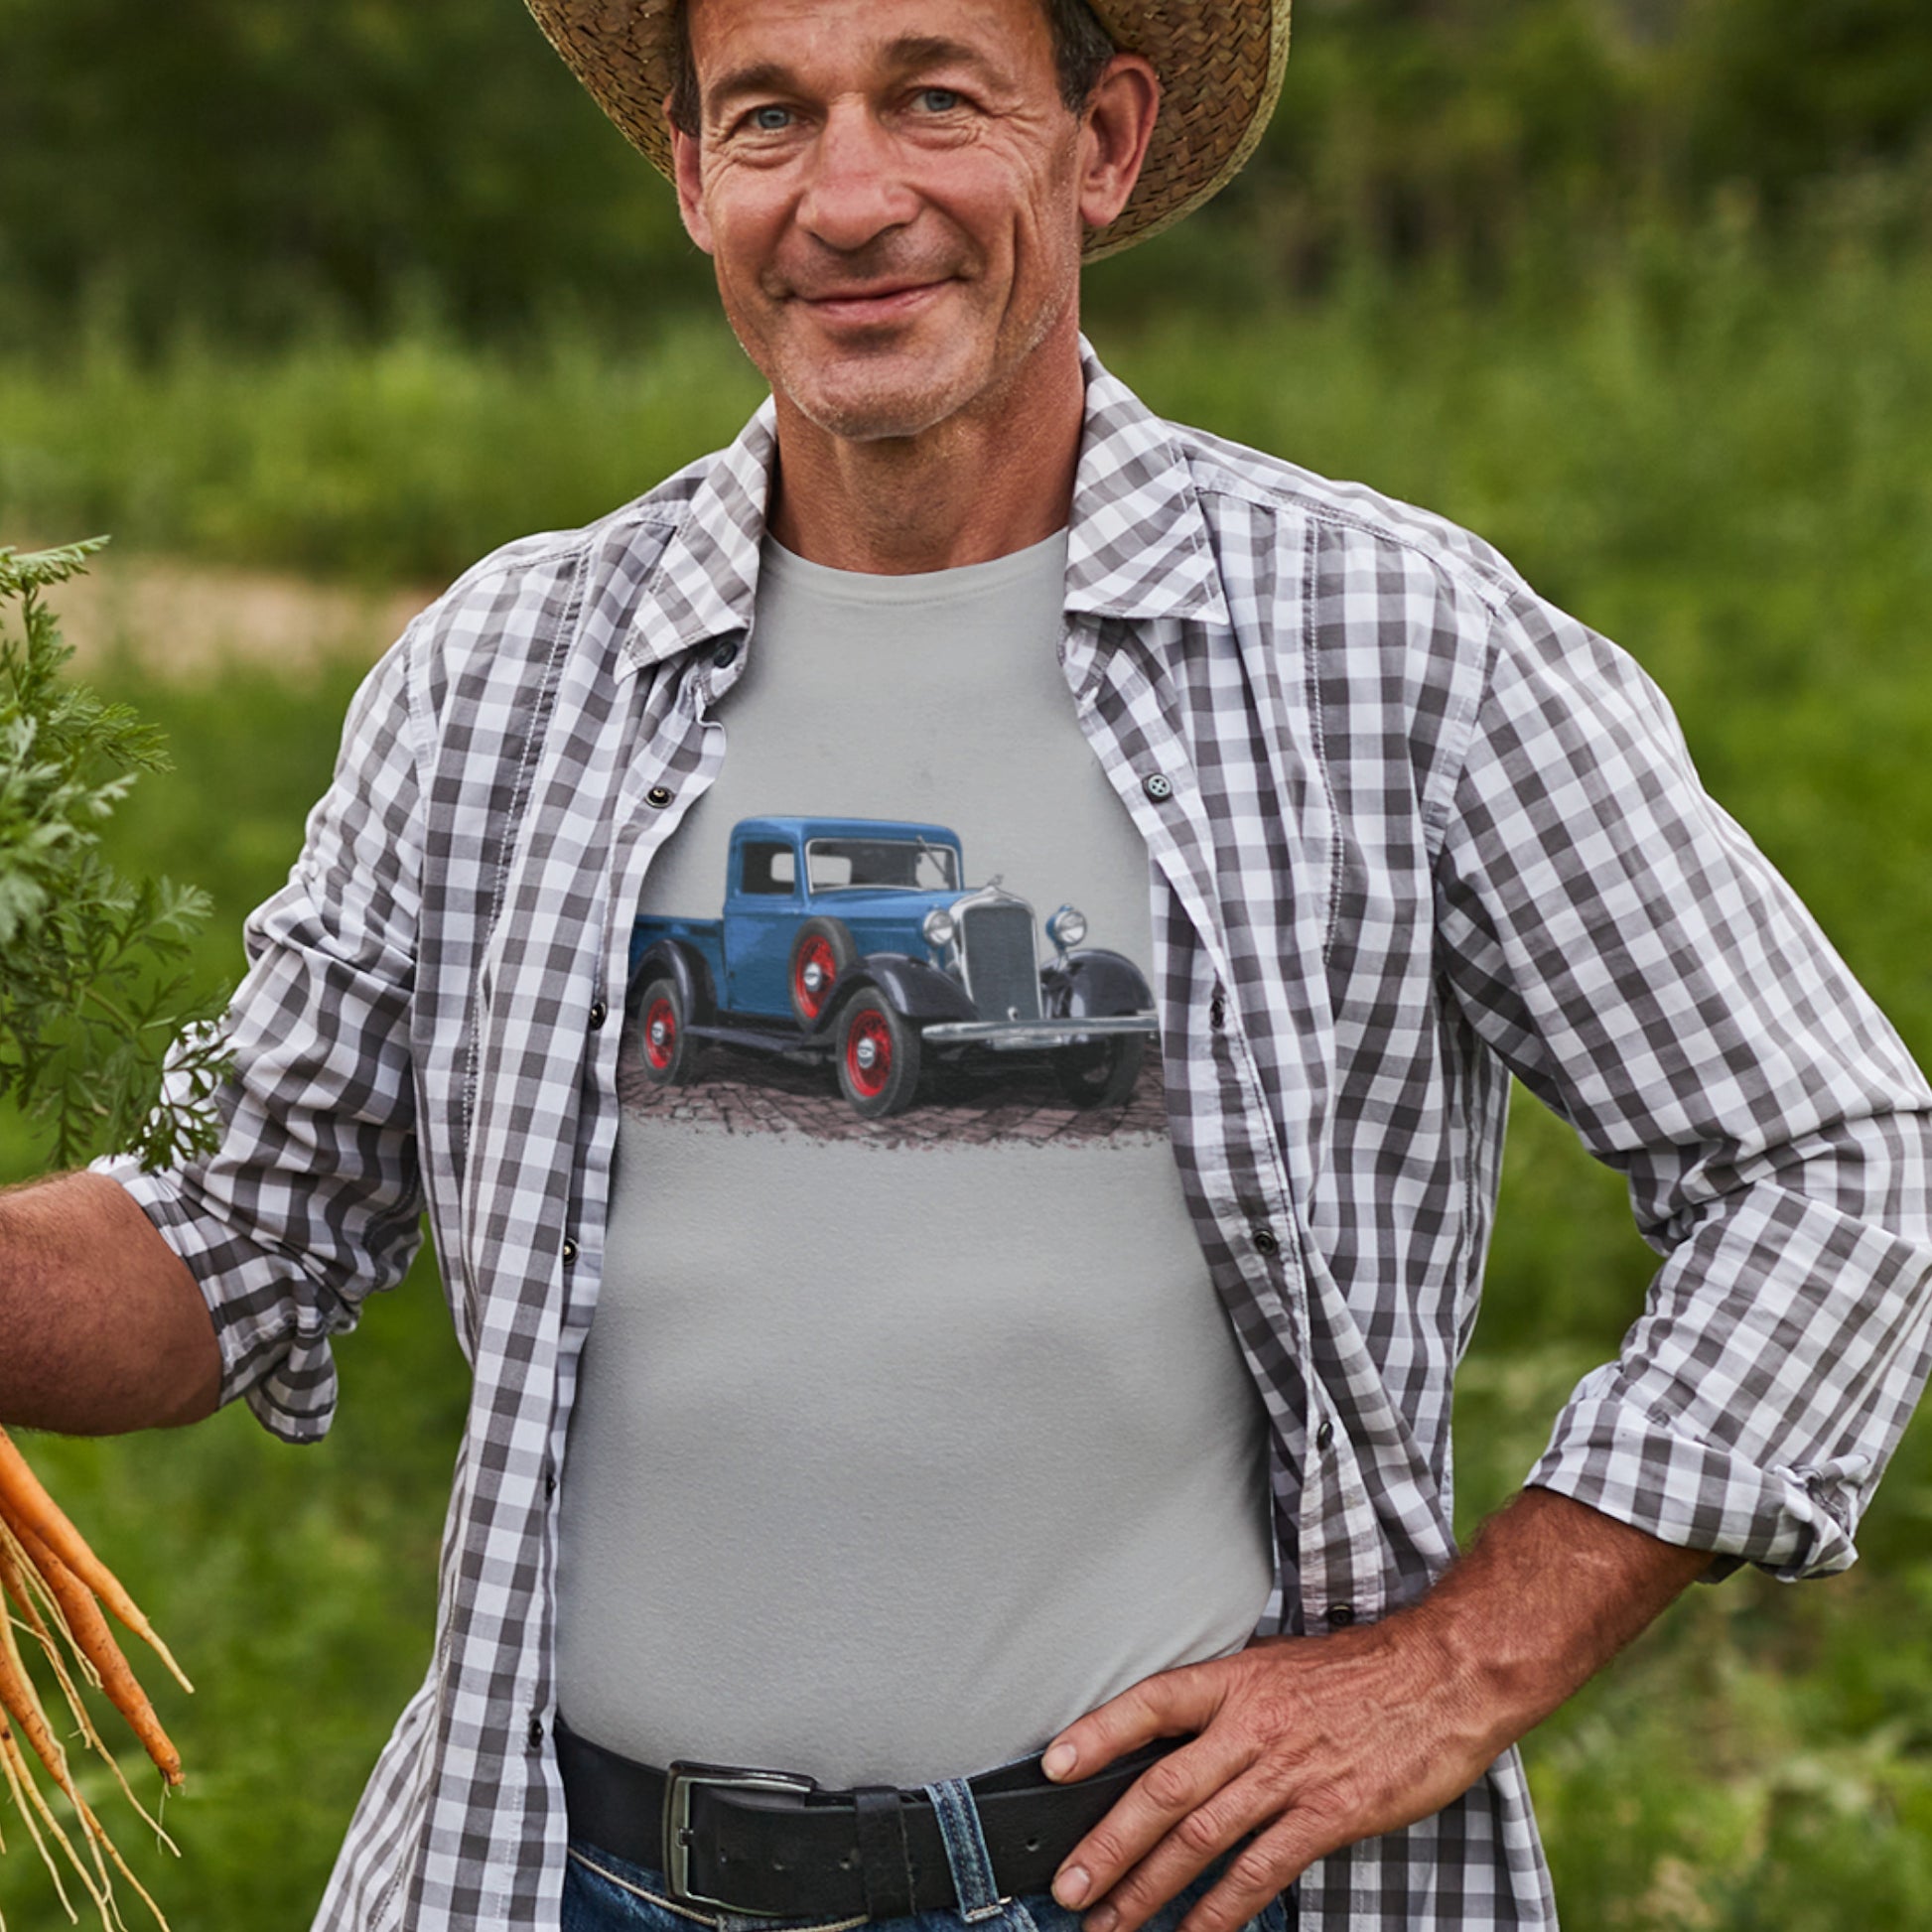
x=770, y=120
x=938, y=100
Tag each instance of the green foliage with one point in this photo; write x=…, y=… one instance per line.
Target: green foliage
x=1464, y=130
x=84, y=1019
x=261, y=168
x=406, y=460
x=1782, y=95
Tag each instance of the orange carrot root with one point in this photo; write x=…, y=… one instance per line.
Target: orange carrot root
x=96, y=1642
x=51, y=1581
x=34, y=1809
x=26, y=1505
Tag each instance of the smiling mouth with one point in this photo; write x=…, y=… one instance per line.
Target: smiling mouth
x=874, y=305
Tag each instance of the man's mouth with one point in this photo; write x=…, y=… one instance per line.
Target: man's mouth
x=882, y=303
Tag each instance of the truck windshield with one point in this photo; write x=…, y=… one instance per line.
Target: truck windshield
x=909, y=864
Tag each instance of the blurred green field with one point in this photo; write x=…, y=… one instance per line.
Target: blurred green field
x=1715, y=452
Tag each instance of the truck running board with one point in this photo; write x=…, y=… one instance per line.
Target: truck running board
x=1020, y=1035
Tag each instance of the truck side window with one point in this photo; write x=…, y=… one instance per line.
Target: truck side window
x=768, y=869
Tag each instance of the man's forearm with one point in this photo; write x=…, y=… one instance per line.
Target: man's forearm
x=1550, y=1591
x=102, y=1327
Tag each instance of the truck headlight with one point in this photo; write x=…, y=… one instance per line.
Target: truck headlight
x=1067, y=928
x=938, y=927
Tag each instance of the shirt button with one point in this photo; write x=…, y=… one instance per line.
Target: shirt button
x=570, y=1251
x=1158, y=786
x=599, y=1014
x=1217, y=1011
x=549, y=1482
x=1340, y=1615
x=659, y=796
x=535, y=1733
x=1265, y=1242
x=1324, y=1435
x=725, y=652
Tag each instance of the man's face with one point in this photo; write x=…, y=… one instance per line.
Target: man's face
x=889, y=190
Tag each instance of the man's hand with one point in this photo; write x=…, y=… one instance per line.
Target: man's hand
x=1304, y=1744
x=1310, y=1742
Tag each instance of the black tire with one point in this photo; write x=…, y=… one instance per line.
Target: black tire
x=822, y=950
x=665, y=1049
x=1100, y=1073
x=878, y=1057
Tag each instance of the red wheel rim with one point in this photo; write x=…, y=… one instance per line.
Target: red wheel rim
x=812, y=973
x=660, y=1032
x=869, y=1052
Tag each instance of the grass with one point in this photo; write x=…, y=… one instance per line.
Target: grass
x=1718, y=459
x=408, y=461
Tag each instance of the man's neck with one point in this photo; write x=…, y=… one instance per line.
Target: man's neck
x=983, y=484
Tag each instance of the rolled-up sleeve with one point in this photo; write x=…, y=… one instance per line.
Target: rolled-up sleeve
x=1643, y=969
x=312, y=1198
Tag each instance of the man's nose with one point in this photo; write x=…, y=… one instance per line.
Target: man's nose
x=854, y=192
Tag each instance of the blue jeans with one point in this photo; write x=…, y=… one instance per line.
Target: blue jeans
x=607, y=1894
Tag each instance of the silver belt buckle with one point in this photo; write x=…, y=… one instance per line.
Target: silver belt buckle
x=680, y=1780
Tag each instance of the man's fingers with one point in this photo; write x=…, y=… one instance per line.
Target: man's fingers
x=1161, y=1798
x=1219, y=1821
x=1260, y=1873
x=1169, y=1704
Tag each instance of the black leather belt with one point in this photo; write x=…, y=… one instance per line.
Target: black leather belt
x=772, y=1846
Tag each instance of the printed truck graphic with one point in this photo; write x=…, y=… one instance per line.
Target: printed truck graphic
x=853, y=940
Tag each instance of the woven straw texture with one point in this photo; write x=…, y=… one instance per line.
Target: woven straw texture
x=1220, y=65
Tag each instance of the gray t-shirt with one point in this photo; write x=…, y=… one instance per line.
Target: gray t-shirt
x=900, y=1443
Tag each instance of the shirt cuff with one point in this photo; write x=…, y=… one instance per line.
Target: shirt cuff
x=274, y=1339
x=1794, y=1520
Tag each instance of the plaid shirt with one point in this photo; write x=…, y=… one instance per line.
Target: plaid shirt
x=1411, y=830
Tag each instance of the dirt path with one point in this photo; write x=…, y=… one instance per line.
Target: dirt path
x=740, y=1093
x=192, y=620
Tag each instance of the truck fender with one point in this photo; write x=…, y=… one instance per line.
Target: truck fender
x=914, y=990
x=1095, y=982
x=671, y=958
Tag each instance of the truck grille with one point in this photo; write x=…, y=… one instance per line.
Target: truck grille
x=997, y=942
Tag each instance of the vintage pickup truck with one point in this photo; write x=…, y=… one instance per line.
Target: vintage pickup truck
x=853, y=940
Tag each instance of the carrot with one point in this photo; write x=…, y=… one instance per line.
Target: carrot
x=99, y=1886
x=23, y=1705
x=52, y=1580
x=30, y=1579
x=26, y=1505
x=28, y=1799
x=96, y=1642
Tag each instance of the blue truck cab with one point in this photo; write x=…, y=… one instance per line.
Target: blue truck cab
x=879, y=879
x=857, y=940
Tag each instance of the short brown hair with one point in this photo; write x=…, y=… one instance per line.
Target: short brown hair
x=1081, y=50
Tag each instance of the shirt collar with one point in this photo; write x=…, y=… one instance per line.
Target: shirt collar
x=706, y=578
x=1137, y=541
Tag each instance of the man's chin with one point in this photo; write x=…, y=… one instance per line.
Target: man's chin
x=874, y=406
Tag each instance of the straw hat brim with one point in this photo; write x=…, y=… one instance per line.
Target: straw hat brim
x=1220, y=65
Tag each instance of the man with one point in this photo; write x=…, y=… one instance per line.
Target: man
x=887, y=1462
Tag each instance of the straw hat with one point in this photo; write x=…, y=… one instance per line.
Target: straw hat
x=1219, y=60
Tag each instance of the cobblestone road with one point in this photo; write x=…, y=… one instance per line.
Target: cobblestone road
x=757, y=1093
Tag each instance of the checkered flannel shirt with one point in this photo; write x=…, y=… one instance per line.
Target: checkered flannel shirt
x=1411, y=830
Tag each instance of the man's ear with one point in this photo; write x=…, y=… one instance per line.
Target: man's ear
x=1115, y=131
x=1116, y=126
x=690, y=197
